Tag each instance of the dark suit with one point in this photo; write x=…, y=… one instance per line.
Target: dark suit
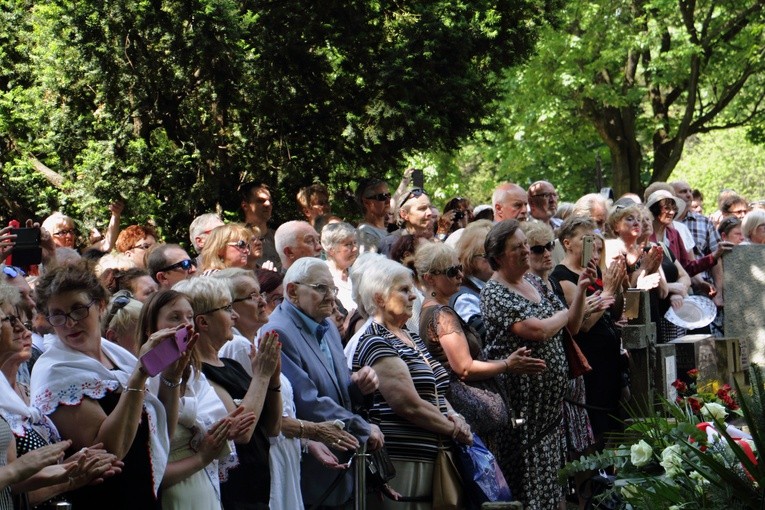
x=322, y=392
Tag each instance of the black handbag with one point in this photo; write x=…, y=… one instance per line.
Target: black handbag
x=380, y=469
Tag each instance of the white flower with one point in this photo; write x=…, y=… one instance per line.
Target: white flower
x=640, y=454
x=629, y=491
x=714, y=411
x=671, y=461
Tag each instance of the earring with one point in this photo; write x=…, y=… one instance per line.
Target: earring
x=433, y=293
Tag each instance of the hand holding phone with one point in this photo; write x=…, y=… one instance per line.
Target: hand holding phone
x=586, y=250
x=167, y=352
x=26, y=247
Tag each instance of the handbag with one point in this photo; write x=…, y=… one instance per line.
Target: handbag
x=447, y=485
x=482, y=478
x=380, y=469
x=577, y=362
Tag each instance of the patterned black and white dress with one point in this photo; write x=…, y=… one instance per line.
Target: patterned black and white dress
x=531, y=455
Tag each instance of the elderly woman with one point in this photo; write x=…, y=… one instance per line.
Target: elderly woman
x=598, y=337
x=214, y=319
x=229, y=245
x=191, y=479
x=31, y=430
x=663, y=206
x=753, y=227
x=415, y=217
x=341, y=246
x=373, y=196
x=64, y=232
x=119, y=324
x=96, y=392
x=518, y=314
x=466, y=301
x=410, y=406
x=473, y=391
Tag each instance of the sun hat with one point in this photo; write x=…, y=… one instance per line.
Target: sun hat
x=659, y=195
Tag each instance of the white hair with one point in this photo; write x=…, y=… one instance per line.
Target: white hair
x=356, y=272
x=335, y=233
x=377, y=280
x=57, y=218
x=201, y=223
x=285, y=236
x=114, y=261
x=303, y=269
x=583, y=206
x=751, y=221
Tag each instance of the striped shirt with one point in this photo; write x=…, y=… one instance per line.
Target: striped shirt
x=403, y=439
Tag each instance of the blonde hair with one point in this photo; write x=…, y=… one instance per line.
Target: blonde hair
x=470, y=244
x=537, y=232
x=123, y=319
x=433, y=257
x=215, y=244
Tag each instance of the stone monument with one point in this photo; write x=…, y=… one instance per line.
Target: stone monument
x=744, y=299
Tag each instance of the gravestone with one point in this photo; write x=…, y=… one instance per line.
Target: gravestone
x=639, y=338
x=699, y=352
x=744, y=298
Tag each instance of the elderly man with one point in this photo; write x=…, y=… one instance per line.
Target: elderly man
x=543, y=203
x=324, y=390
x=201, y=227
x=295, y=240
x=168, y=264
x=509, y=202
x=257, y=206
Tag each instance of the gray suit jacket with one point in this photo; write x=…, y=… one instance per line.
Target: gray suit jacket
x=322, y=392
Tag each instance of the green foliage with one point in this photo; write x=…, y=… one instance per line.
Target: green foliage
x=171, y=104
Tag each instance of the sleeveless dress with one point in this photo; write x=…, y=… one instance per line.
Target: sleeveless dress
x=248, y=485
x=601, y=345
x=530, y=455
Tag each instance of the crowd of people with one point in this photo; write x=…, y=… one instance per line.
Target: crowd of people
x=411, y=330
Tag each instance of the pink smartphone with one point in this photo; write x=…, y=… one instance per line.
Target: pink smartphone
x=166, y=353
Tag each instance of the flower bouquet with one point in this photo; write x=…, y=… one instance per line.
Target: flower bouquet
x=687, y=458
x=710, y=396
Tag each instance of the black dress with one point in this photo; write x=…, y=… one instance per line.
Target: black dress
x=601, y=345
x=131, y=489
x=249, y=485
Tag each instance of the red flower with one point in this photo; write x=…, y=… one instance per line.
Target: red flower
x=693, y=373
x=680, y=386
x=695, y=404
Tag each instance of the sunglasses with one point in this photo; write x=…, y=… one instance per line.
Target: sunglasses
x=380, y=197
x=240, y=245
x=539, y=249
x=186, y=265
x=415, y=193
x=13, y=271
x=450, y=272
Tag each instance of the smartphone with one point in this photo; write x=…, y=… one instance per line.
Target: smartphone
x=586, y=250
x=418, y=179
x=26, y=248
x=166, y=353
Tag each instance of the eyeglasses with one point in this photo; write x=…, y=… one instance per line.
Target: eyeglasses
x=226, y=308
x=274, y=298
x=77, y=314
x=240, y=245
x=539, y=249
x=118, y=303
x=13, y=271
x=546, y=196
x=62, y=233
x=144, y=246
x=450, y=272
x=251, y=297
x=380, y=197
x=740, y=212
x=415, y=193
x=186, y=265
x=321, y=288
x=13, y=320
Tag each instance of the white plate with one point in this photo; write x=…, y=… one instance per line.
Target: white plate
x=696, y=312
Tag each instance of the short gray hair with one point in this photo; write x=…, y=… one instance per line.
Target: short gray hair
x=583, y=206
x=302, y=269
x=751, y=221
x=9, y=294
x=203, y=222
x=378, y=279
x=285, y=236
x=356, y=273
x=204, y=293
x=335, y=233
x=231, y=276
